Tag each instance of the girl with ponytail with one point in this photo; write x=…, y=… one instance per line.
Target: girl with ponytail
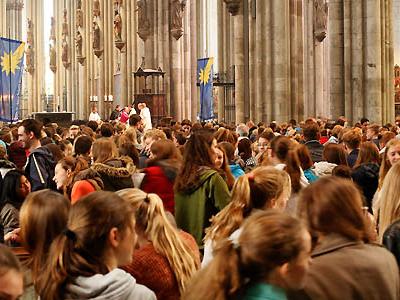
x=82, y=264
x=271, y=254
x=166, y=258
x=264, y=188
x=284, y=157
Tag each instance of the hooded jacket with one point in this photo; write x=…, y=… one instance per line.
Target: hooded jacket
x=40, y=169
x=115, y=285
x=323, y=168
x=195, y=207
x=116, y=173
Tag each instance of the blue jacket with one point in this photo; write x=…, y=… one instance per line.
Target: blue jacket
x=236, y=170
x=40, y=169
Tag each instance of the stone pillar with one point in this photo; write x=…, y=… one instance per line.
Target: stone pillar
x=193, y=58
x=12, y=23
x=238, y=32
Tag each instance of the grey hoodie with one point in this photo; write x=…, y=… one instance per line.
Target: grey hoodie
x=115, y=285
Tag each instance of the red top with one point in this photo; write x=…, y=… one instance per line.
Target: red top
x=157, y=182
x=153, y=270
x=81, y=188
x=124, y=117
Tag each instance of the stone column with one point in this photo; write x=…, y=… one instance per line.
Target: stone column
x=238, y=59
x=193, y=58
x=13, y=21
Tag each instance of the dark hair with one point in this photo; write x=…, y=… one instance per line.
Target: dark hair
x=74, y=165
x=11, y=182
x=342, y=171
x=134, y=120
x=229, y=150
x=244, y=149
x=82, y=252
x=55, y=151
x=180, y=138
x=93, y=125
x=34, y=126
x=82, y=145
x=164, y=150
x=8, y=261
x=129, y=149
x=197, y=154
x=106, y=130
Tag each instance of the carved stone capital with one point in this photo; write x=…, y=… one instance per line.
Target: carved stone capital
x=14, y=5
x=233, y=6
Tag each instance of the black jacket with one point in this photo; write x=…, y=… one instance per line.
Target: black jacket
x=391, y=240
x=40, y=169
x=366, y=177
x=315, y=149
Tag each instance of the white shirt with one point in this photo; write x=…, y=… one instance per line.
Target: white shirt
x=146, y=117
x=94, y=116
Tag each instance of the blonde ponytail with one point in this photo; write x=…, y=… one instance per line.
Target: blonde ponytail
x=151, y=218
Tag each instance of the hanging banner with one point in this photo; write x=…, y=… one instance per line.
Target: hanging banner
x=11, y=67
x=205, y=77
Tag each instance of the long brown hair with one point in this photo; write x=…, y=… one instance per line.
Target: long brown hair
x=368, y=153
x=284, y=149
x=304, y=156
x=227, y=174
x=74, y=165
x=251, y=191
x=152, y=220
x=197, y=155
x=81, y=250
x=333, y=198
x=385, y=165
x=43, y=217
x=268, y=240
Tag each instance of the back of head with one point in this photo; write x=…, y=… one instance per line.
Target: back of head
x=242, y=130
x=333, y=198
x=260, y=189
x=43, y=217
x=165, y=149
x=268, y=240
x=311, y=131
x=103, y=149
x=82, y=145
x=244, y=148
x=106, y=130
x=352, y=139
x=8, y=261
x=134, y=120
x=93, y=125
x=304, y=156
x=369, y=153
x=229, y=150
x=151, y=219
x=335, y=154
x=11, y=275
x=82, y=250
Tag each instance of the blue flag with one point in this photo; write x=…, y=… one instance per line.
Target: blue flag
x=205, y=77
x=11, y=67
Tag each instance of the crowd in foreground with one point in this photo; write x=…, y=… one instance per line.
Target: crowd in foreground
x=109, y=210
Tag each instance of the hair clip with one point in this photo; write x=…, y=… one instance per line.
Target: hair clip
x=70, y=234
x=147, y=199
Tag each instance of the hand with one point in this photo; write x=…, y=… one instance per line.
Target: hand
x=13, y=236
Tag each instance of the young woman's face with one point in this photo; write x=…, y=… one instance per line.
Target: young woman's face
x=214, y=148
x=297, y=269
x=393, y=154
x=60, y=176
x=24, y=188
x=262, y=145
x=11, y=285
x=68, y=150
x=219, y=158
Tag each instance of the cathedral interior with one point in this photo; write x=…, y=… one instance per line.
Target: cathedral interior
x=273, y=59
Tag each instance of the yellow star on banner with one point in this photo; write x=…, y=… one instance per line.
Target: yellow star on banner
x=204, y=75
x=10, y=61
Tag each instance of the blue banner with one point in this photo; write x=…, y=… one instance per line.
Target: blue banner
x=205, y=77
x=11, y=67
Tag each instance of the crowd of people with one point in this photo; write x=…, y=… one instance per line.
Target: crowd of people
x=121, y=210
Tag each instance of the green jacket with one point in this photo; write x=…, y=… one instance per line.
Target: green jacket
x=193, y=209
x=264, y=291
